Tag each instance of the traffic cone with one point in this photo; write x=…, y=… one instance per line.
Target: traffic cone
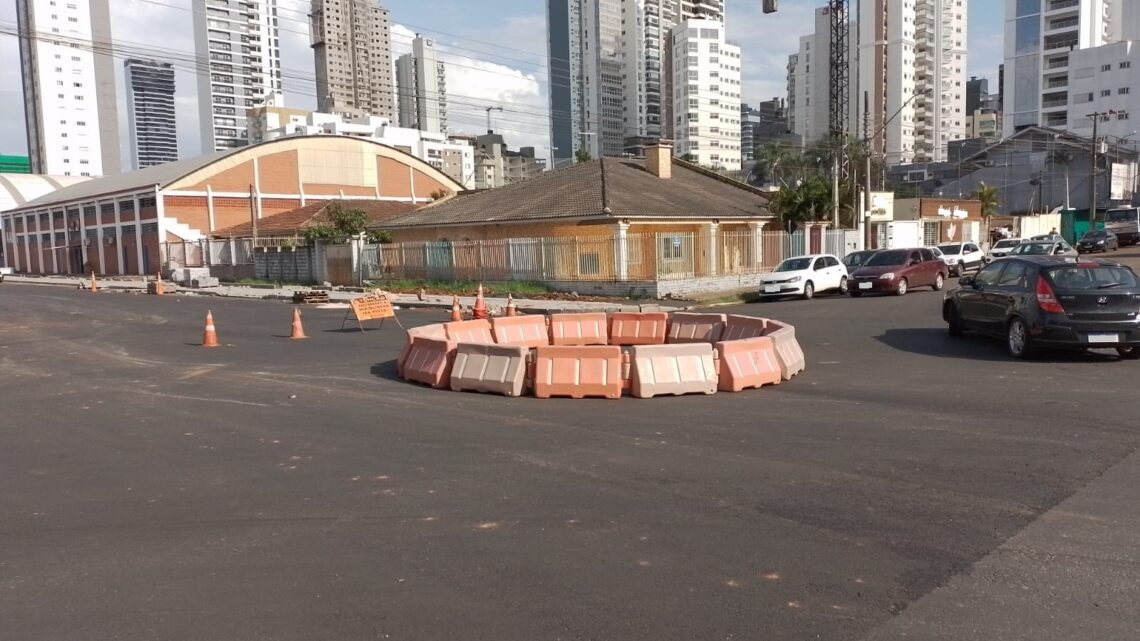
x=456, y=310
x=158, y=284
x=479, y=311
x=210, y=337
x=94, y=287
x=512, y=310
x=298, y=328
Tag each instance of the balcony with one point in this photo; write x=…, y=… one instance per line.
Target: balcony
x=1062, y=7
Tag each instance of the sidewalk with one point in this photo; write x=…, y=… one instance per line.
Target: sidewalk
x=127, y=284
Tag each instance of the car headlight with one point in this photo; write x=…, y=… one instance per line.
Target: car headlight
x=1100, y=242
x=887, y=276
x=795, y=279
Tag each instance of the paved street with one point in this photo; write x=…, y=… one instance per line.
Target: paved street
x=152, y=489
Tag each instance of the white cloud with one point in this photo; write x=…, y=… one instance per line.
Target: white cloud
x=766, y=41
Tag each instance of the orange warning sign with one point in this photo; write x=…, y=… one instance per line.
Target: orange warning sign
x=370, y=307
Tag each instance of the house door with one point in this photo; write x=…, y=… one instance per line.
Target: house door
x=816, y=240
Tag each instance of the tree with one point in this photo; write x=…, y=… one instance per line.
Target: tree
x=583, y=155
x=342, y=223
x=988, y=196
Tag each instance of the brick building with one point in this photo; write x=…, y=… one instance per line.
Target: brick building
x=119, y=224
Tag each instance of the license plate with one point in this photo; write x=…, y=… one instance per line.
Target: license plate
x=771, y=289
x=864, y=285
x=1104, y=338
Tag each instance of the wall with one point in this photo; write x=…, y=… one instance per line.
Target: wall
x=292, y=265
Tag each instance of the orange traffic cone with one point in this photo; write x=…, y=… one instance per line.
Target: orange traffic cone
x=94, y=287
x=158, y=284
x=479, y=311
x=456, y=310
x=512, y=309
x=298, y=328
x=210, y=337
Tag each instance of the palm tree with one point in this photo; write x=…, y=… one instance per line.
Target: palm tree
x=988, y=197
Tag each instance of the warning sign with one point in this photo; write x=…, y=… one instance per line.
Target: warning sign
x=370, y=307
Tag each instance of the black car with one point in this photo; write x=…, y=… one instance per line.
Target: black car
x=1037, y=301
x=1097, y=240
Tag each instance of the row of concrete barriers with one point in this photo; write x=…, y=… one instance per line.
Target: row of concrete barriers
x=595, y=355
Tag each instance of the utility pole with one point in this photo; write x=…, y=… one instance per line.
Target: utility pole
x=489, y=110
x=1096, y=116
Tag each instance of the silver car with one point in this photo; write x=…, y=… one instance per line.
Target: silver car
x=1053, y=247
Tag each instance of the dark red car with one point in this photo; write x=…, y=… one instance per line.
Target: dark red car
x=897, y=271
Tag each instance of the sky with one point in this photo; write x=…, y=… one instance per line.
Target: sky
x=495, y=52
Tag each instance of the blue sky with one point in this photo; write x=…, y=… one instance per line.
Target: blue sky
x=496, y=52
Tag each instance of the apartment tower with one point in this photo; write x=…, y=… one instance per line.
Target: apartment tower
x=68, y=76
x=239, y=66
x=706, y=94
x=150, y=112
x=421, y=79
x=352, y=52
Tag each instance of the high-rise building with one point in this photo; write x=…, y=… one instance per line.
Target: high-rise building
x=1040, y=38
x=422, y=83
x=352, y=51
x=977, y=89
x=1105, y=81
x=239, y=66
x=793, y=64
x=150, y=112
x=706, y=94
x=70, y=105
x=809, y=81
x=912, y=61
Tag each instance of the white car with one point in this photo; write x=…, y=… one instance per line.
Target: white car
x=805, y=276
x=5, y=271
x=1002, y=248
x=961, y=257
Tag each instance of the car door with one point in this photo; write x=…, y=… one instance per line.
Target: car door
x=916, y=275
x=972, y=297
x=838, y=271
x=973, y=255
x=930, y=265
x=999, y=301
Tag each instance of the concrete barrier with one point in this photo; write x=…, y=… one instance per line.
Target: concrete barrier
x=788, y=351
x=695, y=328
x=429, y=361
x=673, y=370
x=747, y=363
x=469, y=331
x=578, y=371
x=527, y=331
x=499, y=369
x=579, y=329
x=738, y=327
x=427, y=331
x=638, y=328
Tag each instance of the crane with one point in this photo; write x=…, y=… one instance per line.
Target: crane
x=489, y=110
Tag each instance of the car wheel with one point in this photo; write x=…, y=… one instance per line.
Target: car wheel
x=809, y=290
x=843, y=285
x=1017, y=339
x=939, y=282
x=901, y=288
x=954, y=321
x=1128, y=353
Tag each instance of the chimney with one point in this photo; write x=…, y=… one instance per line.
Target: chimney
x=659, y=159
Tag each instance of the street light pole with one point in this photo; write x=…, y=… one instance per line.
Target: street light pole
x=1096, y=116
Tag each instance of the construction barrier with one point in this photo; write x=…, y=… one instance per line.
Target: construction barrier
x=527, y=331
x=429, y=361
x=369, y=307
x=695, y=328
x=682, y=368
x=499, y=369
x=579, y=329
x=788, y=351
x=747, y=362
x=578, y=371
x=427, y=331
x=470, y=331
x=638, y=328
x=738, y=327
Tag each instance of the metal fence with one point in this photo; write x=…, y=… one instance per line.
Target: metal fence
x=207, y=252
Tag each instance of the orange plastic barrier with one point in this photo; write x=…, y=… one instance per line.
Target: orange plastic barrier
x=429, y=361
x=638, y=328
x=499, y=369
x=743, y=327
x=788, y=351
x=427, y=331
x=369, y=307
x=695, y=328
x=578, y=371
x=747, y=363
x=527, y=331
x=579, y=329
x=470, y=331
x=681, y=368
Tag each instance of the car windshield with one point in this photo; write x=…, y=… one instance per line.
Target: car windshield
x=1093, y=276
x=856, y=258
x=953, y=250
x=1120, y=216
x=1002, y=244
x=1034, y=249
x=888, y=258
x=1094, y=235
x=794, y=265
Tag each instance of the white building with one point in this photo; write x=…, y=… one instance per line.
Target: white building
x=1106, y=79
x=352, y=53
x=497, y=166
x=422, y=83
x=912, y=56
x=454, y=159
x=239, y=66
x=1041, y=39
x=150, y=112
x=706, y=94
x=70, y=104
x=809, y=82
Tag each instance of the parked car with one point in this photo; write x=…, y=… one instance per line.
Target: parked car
x=1002, y=248
x=1049, y=236
x=896, y=271
x=1036, y=301
x=961, y=257
x=1055, y=247
x=856, y=259
x=1097, y=240
x=805, y=276
x=4, y=271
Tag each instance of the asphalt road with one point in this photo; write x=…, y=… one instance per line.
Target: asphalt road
x=152, y=489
